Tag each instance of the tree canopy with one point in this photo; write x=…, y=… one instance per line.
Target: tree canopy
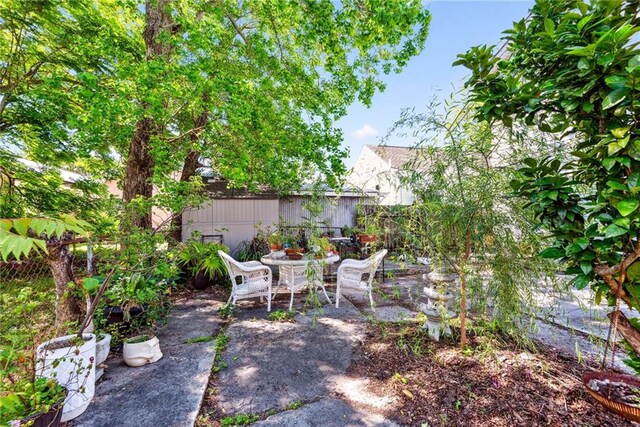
x=151, y=92
x=572, y=68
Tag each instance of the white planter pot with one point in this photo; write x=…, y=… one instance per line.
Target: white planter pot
x=102, y=352
x=141, y=353
x=73, y=367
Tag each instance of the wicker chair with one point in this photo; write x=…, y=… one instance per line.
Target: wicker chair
x=296, y=278
x=351, y=271
x=255, y=279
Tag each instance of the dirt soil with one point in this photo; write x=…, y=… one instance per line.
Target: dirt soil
x=497, y=385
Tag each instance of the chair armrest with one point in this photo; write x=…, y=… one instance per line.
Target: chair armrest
x=246, y=269
x=251, y=264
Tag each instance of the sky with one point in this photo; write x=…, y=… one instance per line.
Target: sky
x=455, y=27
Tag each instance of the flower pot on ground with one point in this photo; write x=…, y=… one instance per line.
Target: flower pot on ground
x=70, y=361
x=203, y=262
x=200, y=282
x=51, y=417
x=616, y=392
x=103, y=347
x=141, y=350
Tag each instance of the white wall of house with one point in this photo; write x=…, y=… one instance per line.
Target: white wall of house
x=239, y=216
x=371, y=172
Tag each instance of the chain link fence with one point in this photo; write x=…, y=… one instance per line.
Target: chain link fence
x=34, y=271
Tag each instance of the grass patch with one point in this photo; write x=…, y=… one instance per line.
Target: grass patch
x=239, y=420
x=294, y=405
x=281, y=316
x=203, y=338
x=221, y=342
x=227, y=311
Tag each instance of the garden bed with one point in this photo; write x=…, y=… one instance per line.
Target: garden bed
x=434, y=383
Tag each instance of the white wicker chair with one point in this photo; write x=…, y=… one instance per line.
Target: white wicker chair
x=351, y=271
x=255, y=279
x=299, y=277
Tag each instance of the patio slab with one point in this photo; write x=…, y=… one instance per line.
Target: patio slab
x=328, y=413
x=271, y=365
x=169, y=392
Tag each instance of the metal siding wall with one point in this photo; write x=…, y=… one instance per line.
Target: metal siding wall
x=240, y=217
x=339, y=212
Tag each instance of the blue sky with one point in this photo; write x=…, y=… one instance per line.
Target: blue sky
x=455, y=27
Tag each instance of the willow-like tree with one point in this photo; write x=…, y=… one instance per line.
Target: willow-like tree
x=572, y=68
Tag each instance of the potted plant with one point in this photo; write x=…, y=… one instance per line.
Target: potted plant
x=103, y=347
x=203, y=262
x=369, y=235
x=141, y=350
x=69, y=360
x=25, y=398
x=275, y=241
x=319, y=246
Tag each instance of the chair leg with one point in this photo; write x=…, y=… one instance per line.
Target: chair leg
x=371, y=299
x=325, y=292
x=338, y=295
x=269, y=301
x=291, y=302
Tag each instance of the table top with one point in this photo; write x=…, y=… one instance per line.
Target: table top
x=280, y=258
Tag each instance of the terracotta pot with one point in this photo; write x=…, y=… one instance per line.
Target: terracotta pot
x=275, y=247
x=295, y=256
x=367, y=238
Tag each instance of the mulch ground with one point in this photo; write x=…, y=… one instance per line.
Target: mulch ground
x=497, y=385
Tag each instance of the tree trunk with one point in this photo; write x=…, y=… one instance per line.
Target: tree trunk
x=138, y=175
x=191, y=164
x=626, y=329
x=139, y=171
x=463, y=310
x=60, y=263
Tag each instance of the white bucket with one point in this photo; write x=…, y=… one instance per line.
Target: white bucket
x=74, y=368
x=102, y=352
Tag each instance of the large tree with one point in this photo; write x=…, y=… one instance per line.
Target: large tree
x=573, y=68
x=253, y=87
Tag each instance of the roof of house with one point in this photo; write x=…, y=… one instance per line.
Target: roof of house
x=399, y=157
x=219, y=189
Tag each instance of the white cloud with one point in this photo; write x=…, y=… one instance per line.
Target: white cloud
x=365, y=131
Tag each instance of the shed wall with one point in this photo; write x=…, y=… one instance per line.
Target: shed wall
x=238, y=218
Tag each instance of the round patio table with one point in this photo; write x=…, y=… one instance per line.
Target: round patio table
x=298, y=274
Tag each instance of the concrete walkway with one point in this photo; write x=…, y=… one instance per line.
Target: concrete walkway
x=167, y=393
x=272, y=366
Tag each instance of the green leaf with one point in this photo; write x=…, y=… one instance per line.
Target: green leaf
x=613, y=99
x=21, y=225
x=633, y=272
x=632, y=180
x=633, y=63
x=608, y=162
x=581, y=281
x=620, y=132
x=616, y=185
x=586, y=267
x=616, y=82
x=552, y=253
x=626, y=207
x=549, y=26
x=614, y=230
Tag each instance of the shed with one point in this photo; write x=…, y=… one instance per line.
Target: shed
x=235, y=213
